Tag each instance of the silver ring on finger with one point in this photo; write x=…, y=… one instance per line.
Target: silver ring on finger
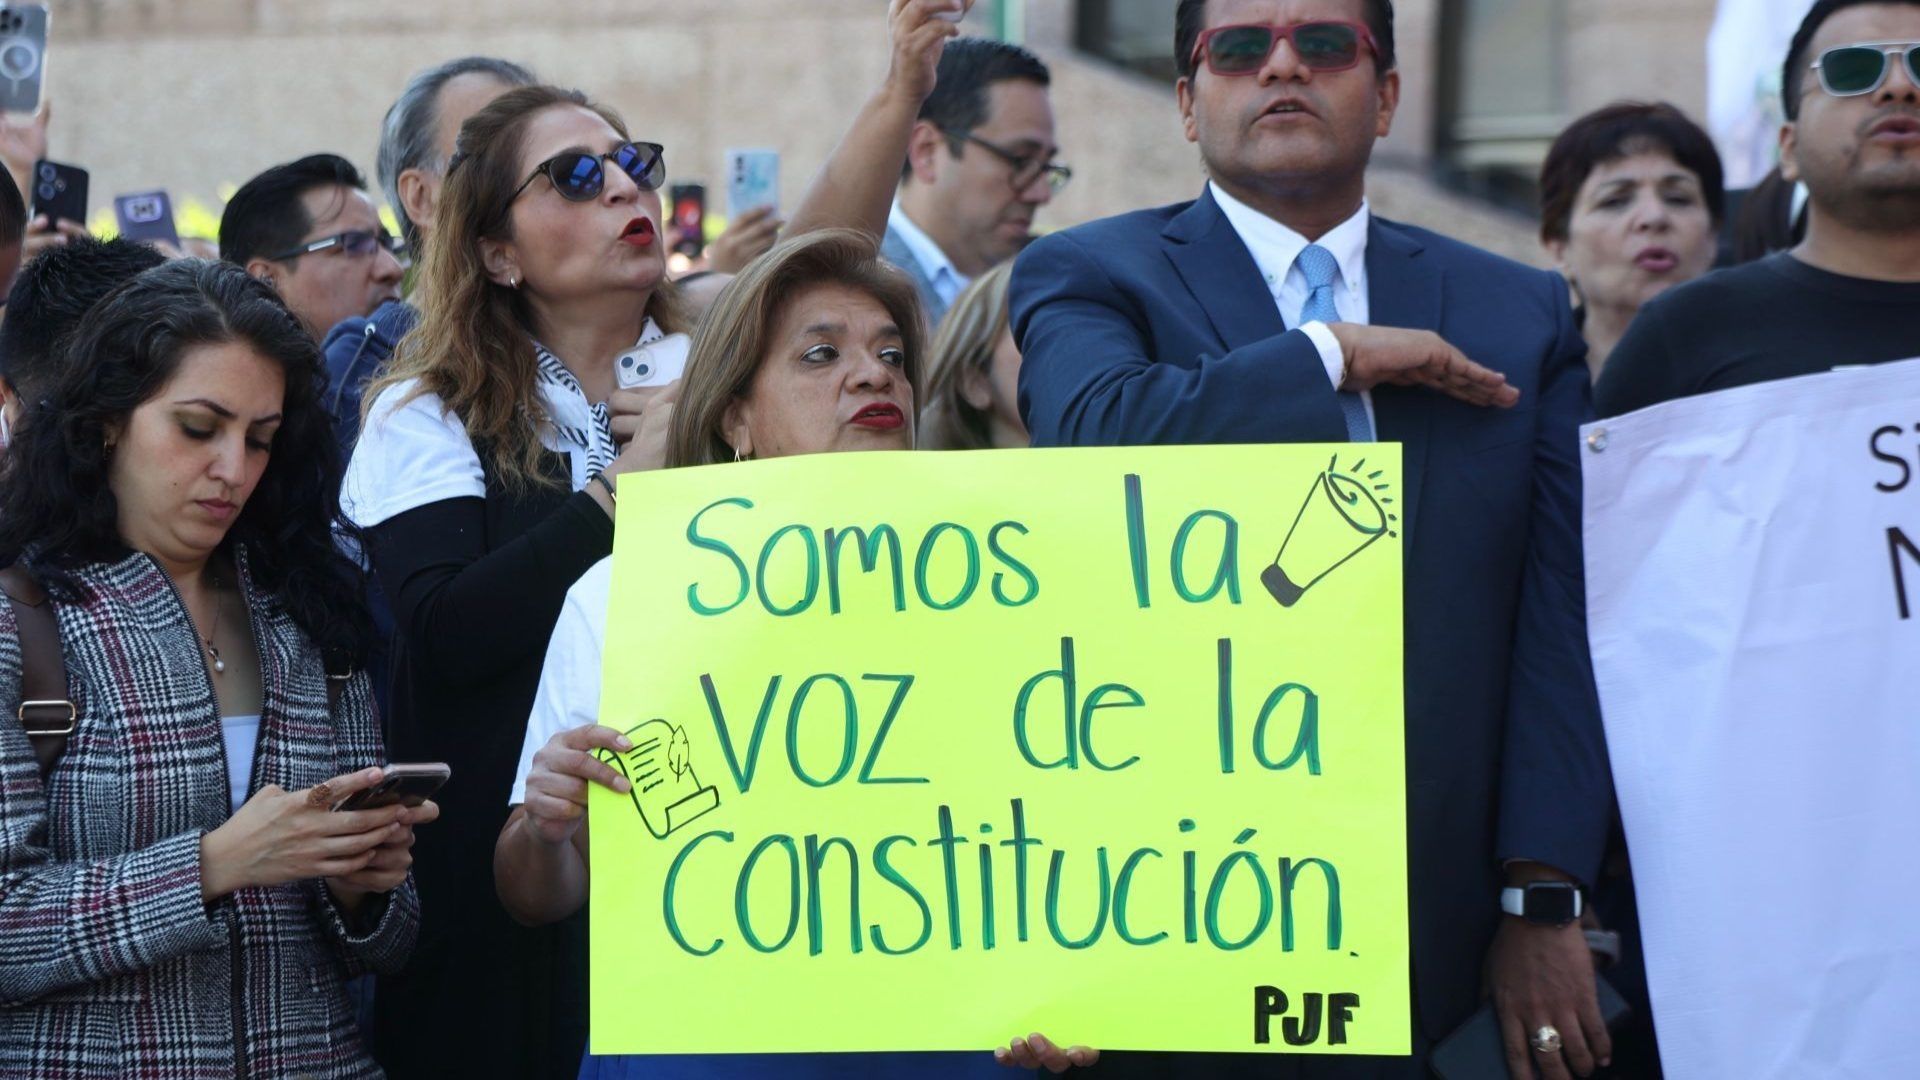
x=1546, y=1040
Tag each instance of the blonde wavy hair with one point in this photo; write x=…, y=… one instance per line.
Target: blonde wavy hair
x=474, y=343
x=735, y=336
x=966, y=342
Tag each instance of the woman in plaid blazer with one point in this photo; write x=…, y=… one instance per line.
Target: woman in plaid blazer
x=178, y=898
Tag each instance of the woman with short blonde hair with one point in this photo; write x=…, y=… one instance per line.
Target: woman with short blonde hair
x=972, y=400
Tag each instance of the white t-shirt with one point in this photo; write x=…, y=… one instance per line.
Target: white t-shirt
x=409, y=456
x=414, y=454
x=569, y=692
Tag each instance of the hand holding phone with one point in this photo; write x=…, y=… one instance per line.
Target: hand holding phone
x=656, y=363
x=689, y=215
x=59, y=192
x=23, y=56
x=405, y=785
x=146, y=216
x=753, y=180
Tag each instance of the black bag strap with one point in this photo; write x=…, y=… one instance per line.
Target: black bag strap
x=46, y=711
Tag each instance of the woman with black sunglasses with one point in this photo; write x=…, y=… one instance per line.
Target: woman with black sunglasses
x=484, y=478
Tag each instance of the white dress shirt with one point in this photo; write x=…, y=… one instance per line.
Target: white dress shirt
x=948, y=283
x=1276, y=250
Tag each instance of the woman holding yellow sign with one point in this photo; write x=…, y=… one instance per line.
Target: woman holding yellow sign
x=814, y=349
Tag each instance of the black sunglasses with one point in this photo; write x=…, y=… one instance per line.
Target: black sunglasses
x=355, y=242
x=578, y=177
x=1026, y=167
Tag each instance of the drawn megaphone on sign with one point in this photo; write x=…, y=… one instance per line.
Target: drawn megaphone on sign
x=1342, y=515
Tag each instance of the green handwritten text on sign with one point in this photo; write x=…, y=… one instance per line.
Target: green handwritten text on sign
x=935, y=749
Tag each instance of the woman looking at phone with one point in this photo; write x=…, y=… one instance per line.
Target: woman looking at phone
x=177, y=895
x=484, y=478
x=815, y=348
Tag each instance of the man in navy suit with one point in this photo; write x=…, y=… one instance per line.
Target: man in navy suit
x=1275, y=308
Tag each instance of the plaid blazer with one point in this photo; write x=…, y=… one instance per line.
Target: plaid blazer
x=110, y=964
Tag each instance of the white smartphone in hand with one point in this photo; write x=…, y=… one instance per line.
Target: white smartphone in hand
x=656, y=363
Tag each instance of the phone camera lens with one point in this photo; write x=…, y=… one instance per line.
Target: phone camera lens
x=18, y=60
x=46, y=191
x=48, y=172
x=645, y=370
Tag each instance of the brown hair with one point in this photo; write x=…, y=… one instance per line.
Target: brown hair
x=1621, y=130
x=733, y=339
x=473, y=346
x=966, y=342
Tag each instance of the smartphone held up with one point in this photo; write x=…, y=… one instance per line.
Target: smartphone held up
x=23, y=56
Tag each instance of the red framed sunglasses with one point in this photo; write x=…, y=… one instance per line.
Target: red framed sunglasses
x=1322, y=45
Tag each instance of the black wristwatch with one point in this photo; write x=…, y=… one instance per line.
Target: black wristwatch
x=1544, y=903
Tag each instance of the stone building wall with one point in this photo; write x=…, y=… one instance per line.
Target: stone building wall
x=198, y=95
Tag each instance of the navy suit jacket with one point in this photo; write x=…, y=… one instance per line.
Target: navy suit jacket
x=1156, y=327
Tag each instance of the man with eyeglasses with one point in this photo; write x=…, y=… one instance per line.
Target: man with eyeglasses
x=980, y=164
x=1276, y=308
x=1849, y=293
x=416, y=143
x=976, y=125
x=308, y=229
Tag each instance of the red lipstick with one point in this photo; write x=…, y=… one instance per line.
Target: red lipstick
x=639, y=232
x=880, y=418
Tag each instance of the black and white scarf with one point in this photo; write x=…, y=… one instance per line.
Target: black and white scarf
x=575, y=427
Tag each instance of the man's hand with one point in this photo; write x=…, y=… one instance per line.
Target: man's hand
x=919, y=36
x=1542, y=976
x=43, y=234
x=1388, y=355
x=23, y=141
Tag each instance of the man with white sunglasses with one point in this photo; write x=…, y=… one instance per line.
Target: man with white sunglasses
x=1850, y=292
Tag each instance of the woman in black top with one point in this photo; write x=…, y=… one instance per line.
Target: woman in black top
x=483, y=477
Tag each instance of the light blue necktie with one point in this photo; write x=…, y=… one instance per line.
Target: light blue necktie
x=1321, y=269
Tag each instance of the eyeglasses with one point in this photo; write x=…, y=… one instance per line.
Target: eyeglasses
x=355, y=242
x=578, y=177
x=1852, y=70
x=1321, y=46
x=1026, y=167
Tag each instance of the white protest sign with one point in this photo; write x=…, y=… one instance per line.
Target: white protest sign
x=1753, y=579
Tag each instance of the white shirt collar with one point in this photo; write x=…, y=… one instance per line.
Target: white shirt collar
x=1275, y=247
x=934, y=262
